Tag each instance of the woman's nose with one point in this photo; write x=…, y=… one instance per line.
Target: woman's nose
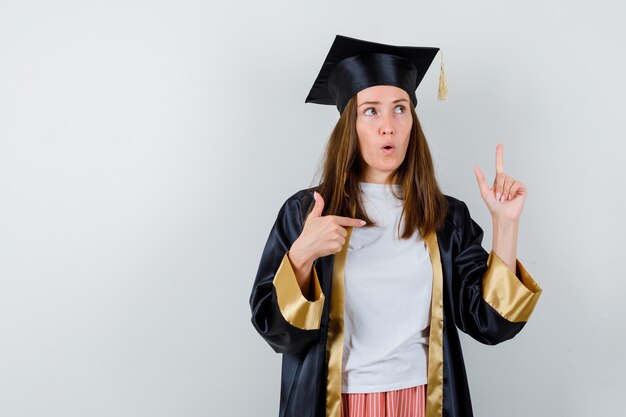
x=387, y=129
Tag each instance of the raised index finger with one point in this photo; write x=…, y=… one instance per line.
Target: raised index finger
x=348, y=221
x=499, y=163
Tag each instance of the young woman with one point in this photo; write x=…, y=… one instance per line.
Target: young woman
x=366, y=277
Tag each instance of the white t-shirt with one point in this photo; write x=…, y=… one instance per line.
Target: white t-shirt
x=387, y=287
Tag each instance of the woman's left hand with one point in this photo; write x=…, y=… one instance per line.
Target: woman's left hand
x=505, y=200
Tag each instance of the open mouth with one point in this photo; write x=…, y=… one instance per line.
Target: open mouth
x=388, y=147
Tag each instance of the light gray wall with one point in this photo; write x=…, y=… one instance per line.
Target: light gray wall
x=146, y=147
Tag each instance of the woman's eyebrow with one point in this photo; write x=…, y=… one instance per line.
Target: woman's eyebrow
x=378, y=102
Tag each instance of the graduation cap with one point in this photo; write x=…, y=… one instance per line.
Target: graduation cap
x=353, y=65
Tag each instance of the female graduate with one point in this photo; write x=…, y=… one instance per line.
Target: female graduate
x=365, y=278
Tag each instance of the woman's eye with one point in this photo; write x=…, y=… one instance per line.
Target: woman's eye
x=401, y=107
x=367, y=113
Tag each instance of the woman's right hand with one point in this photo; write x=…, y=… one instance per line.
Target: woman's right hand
x=321, y=235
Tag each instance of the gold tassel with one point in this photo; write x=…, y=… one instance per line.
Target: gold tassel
x=443, y=85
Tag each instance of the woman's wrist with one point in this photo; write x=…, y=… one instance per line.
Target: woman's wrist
x=302, y=267
x=299, y=258
x=505, y=241
x=505, y=228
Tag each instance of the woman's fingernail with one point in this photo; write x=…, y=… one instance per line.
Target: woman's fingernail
x=498, y=195
x=363, y=222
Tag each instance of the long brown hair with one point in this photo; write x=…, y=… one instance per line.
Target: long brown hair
x=424, y=206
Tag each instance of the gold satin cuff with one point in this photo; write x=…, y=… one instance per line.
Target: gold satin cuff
x=513, y=296
x=295, y=308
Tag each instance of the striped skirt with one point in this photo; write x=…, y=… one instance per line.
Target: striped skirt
x=408, y=402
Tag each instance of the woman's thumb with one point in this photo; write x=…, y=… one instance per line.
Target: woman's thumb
x=318, y=207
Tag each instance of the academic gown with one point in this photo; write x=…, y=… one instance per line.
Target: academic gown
x=473, y=291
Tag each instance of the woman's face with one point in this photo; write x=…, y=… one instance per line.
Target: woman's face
x=383, y=126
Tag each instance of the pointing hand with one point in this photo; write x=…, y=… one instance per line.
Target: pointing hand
x=321, y=235
x=505, y=200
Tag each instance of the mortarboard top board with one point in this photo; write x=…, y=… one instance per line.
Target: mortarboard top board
x=353, y=64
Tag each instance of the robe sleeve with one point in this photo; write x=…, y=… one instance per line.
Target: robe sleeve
x=493, y=303
x=282, y=315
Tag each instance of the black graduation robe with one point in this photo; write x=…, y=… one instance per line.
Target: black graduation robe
x=473, y=291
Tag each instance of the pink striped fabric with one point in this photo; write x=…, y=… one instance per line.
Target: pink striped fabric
x=408, y=402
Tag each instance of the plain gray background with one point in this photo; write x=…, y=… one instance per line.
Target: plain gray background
x=146, y=147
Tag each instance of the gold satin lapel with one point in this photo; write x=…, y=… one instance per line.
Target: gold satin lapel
x=434, y=392
x=334, y=342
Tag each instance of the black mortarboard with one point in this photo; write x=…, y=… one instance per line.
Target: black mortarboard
x=353, y=65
